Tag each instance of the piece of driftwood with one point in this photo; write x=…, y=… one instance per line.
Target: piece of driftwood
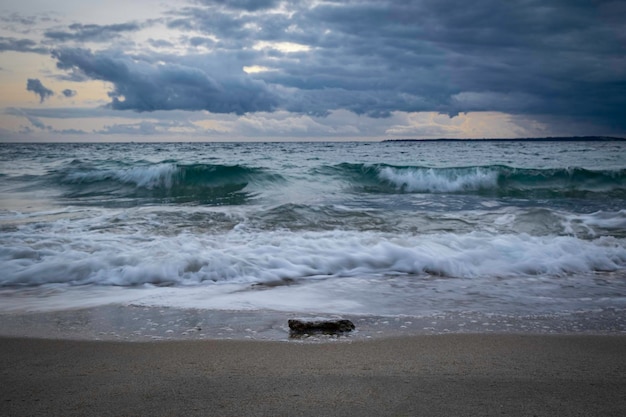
x=300, y=327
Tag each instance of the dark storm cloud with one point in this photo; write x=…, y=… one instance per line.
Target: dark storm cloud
x=565, y=58
x=21, y=45
x=34, y=85
x=92, y=33
x=562, y=57
x=149, y=85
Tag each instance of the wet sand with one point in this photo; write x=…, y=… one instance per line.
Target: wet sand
x=444, y=375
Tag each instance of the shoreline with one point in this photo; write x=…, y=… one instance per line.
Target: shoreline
x=134, y=323
x=122, y=359
x=435, y=375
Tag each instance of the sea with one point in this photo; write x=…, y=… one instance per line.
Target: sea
x=229, y=240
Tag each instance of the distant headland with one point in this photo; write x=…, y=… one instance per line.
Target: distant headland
x=542, y=139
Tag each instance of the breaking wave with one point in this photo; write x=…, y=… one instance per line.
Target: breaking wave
x=166, y=182
x=491, y=179
x=197, y=260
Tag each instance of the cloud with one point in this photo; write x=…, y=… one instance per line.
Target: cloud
x=149, y=127
x=160, y=43
x=201, y=41
x=18, y=19
x=181, y=84
x=68, y=93
x=91, y=32
x=283, y=125
x=71, y=132
x=21, y=45
x=65, y=113
x=377, y=57
x=33, y=120
x=34, y=85
x=36, y=122
x=560, y=59
x=249, y=5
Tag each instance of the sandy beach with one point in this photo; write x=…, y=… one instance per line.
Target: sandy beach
x=446, y=375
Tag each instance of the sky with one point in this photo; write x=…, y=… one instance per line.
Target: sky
x=220, y=70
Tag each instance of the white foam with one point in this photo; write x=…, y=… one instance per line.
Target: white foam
x=238, y=257
x=606, y=220
x=593, y=224
x=440, y=181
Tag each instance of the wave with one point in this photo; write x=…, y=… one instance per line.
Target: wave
x=499, y=180
x=319, y=217
x=192, y=259
x=163, y=182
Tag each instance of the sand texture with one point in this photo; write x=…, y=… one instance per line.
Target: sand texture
x=448, y=375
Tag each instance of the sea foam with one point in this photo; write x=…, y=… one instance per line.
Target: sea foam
x=440, y=181
x=185, y=259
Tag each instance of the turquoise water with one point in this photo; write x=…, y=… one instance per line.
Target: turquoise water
x=394, y=228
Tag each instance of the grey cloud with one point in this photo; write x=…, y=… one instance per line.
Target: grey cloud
x=71, y=132
x=249, y=5
x=34, y=85
x=29, y=21
x=68, y=93
x=229, y=27
x=560, y=58
x=33, y=120
x=199, y=40
x=145, y=128
x=91, y=32
x=73, y=75
x=36, y=122
x=142, y=85
x=142, y=128
x=160, y=43
x=21, y=45
x=182, y=24
x=99, y=112
x=19, y=19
